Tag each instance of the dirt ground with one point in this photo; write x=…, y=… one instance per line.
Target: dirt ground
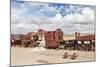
x=40, y=55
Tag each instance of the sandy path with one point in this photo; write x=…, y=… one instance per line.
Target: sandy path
x=26, y=56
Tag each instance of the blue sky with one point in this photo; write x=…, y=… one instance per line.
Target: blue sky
x=31, y=16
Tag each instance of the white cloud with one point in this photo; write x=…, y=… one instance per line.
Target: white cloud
x=82, y=22
x=58, y=16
